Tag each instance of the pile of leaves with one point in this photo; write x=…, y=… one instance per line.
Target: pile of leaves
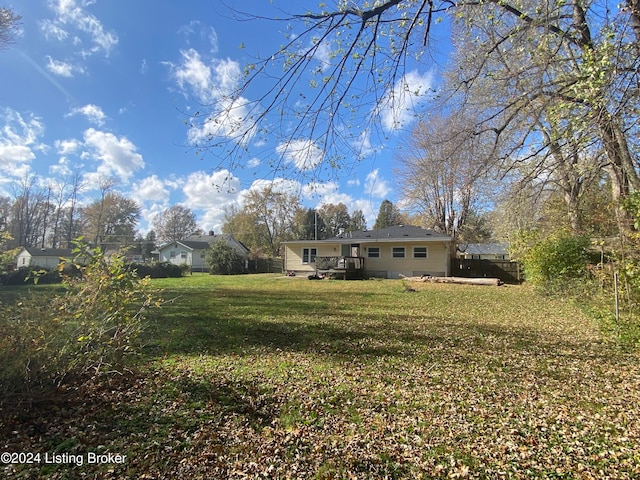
x=281, y=378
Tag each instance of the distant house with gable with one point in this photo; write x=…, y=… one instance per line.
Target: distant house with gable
x=42, y=257
x=192, y=250
x=483, y=251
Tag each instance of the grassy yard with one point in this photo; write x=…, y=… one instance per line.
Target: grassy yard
x=271, y=377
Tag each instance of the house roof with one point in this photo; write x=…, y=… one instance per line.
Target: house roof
x=202, y=242
x=49, y=252
x=484, y=248
x=389, y=234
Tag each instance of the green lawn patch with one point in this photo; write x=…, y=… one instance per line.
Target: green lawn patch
x=270, y=377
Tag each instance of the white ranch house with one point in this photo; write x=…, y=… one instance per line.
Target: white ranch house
x=392, y=252
x=192, y=250
x=42, y=257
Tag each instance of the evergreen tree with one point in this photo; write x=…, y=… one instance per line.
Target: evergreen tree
x=388, y=216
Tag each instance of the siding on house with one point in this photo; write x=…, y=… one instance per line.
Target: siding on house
x=387, y=253
x=192, y=250
x=41, y=257
x=386, y=265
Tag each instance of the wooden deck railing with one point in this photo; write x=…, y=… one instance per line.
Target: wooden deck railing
x=340, y=263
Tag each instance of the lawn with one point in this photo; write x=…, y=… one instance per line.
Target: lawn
x=271, y=377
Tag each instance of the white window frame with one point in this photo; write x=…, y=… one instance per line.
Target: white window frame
x=378, y=252
x=421, y=256
x=394, y=253
x=310, y=253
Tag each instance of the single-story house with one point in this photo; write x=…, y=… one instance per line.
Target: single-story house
x=483, y=251
x=386, y=253
x=192, y=250
x=42, y=257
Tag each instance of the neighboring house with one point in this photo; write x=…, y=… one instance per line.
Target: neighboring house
x=483, y=251
x=386, y=253
x=42, y=257
x=192, y=250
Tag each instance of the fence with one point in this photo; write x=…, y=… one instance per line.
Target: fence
x=266, y=265
x=508, y=272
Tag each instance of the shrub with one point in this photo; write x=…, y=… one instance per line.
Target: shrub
x=105, y=311
x=555, y=259
x=92, y=329
x=158, y=270
x=223, y=259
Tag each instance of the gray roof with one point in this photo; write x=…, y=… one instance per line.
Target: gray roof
x=202, y=242
x=484, y=248
x=394, y=233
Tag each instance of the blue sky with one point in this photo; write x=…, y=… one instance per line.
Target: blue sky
x=104, y=87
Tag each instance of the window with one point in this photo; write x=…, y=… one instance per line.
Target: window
x=183, y=255
x=172, y=254
x=309, y=255
x=420, y=252
x=373, y=252
x=397, y=252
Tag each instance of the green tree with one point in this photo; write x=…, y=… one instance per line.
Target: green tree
x=223, y=259
x=111, y=221
x=388, y=215
x=358, y=221
x=309, y=225
x=335, y=217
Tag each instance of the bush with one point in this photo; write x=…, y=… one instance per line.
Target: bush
x=159, y=270
x=223, y=259
x=29, y=276
x=90, y=330
x=556, y=259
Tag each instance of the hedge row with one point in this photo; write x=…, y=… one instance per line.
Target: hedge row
x=27, y=276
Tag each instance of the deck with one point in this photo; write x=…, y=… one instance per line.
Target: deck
x=348, y=268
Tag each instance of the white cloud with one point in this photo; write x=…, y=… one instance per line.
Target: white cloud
x=203, y=32
x=322, y=55
x=229, y=120
x=150, y=189
x=19, y=139
x=398, y=106
x=254, y=162
x=304, y=154
x=193, y=74
x=67, y=147
x=63, y=69
x=52, y=31
x=280, y=185
x=62, y=168
x=214, y=84
x=73, y=14
x=93, y=113
x=118, y=155
x=208, y=195
x=375, y=185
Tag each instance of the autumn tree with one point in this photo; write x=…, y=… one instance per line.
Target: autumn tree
x=562, y=87
x=265, y=220
x=441, y=171
x=174, y=223
x=111, y=220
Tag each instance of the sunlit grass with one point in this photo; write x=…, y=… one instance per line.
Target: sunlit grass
x=267, y=376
